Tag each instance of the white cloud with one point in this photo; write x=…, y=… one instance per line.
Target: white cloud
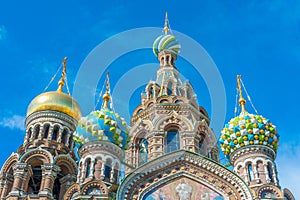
x=13, y=122
x=2, y=32
x=288, y=162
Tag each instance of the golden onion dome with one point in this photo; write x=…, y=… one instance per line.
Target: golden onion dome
x=56, y=101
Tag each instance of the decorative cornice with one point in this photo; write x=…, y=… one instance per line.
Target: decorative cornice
x=54, y=116
x=252, y=150
x=101, y=146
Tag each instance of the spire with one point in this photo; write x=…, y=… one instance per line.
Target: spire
x=106, y=96
x=167, y=26
x=61, y=82
x=242, y=101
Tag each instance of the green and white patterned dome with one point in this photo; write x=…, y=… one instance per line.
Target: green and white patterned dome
x=166, y=41
x=248, y=129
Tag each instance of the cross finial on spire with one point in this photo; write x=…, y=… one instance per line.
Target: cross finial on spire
x=106, y=96
x=242, y=101
x=166, y=27
x=61, y=82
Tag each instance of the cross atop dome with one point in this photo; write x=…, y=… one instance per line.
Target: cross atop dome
x=242, y=101
x=167, y=25
x=61, y=82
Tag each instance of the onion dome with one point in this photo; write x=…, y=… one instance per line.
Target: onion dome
x=103, y=125
x=166, y=42
x=56, y=100
x=247, y=129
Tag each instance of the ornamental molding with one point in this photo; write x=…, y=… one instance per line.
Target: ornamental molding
x=94, y=184
x=159, y=109
x=252, y=150
x=166, y=167
x=104, y=146
x=62, y=158
x=35, y=153
x=13, y=158
x=271, y=188
x=49, y=115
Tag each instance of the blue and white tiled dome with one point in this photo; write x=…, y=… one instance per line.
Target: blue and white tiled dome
x=102, y=125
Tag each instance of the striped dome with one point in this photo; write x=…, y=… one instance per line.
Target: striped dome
x=166, y=42
x=102, y=125
x=248, y=129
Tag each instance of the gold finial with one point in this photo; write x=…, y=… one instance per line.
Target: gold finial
x=106, y=96
x=242, y=101
x=166, y=27
x=61, y=82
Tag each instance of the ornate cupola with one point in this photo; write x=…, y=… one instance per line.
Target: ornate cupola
x=101, y=138
x=250, y=141
x=52, y=118
x=169, y=117
x=45, y=165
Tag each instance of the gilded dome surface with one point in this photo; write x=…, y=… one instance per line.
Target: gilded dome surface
x=248, y=129
x=102, y=125
x=57, y=101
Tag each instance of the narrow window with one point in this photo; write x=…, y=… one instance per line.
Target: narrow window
x=143, y=151
x=270, y=172
x=173, y=142
x=250, y=172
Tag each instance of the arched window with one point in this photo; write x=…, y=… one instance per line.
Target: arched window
x=36, y=131
x=29, y=134
x=200, y=144
x=35, y=180
x=173, y=142
x=169, y=88
x=88, y=168
x=250, y=172
x=107, y=171
x=270, y=172
x=143, y=151
x=55, y=132
x=64, y=136
x=46, y=130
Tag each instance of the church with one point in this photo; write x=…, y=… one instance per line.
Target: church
x=167, y=152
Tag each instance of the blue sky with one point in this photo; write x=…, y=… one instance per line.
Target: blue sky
x=258, y=39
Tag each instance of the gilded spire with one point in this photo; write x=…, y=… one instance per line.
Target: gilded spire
x=242, y=101
x=106, y=96
x=166, y=27
x=61, y=82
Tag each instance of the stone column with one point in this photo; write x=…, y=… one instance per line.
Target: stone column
x=274, y=175
x=134, y=160
x=67, y=139
x=66, y=182
x=59, y=135
x=49, y=173
x=245, y=174
x=268, y=179
x=92, y=166
x=50, y=132
x=41, y=132
x=21, y=173
x=112, y=173
x=32, y=135
x=255, y=172
x=102, y=170
x=25, y=139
